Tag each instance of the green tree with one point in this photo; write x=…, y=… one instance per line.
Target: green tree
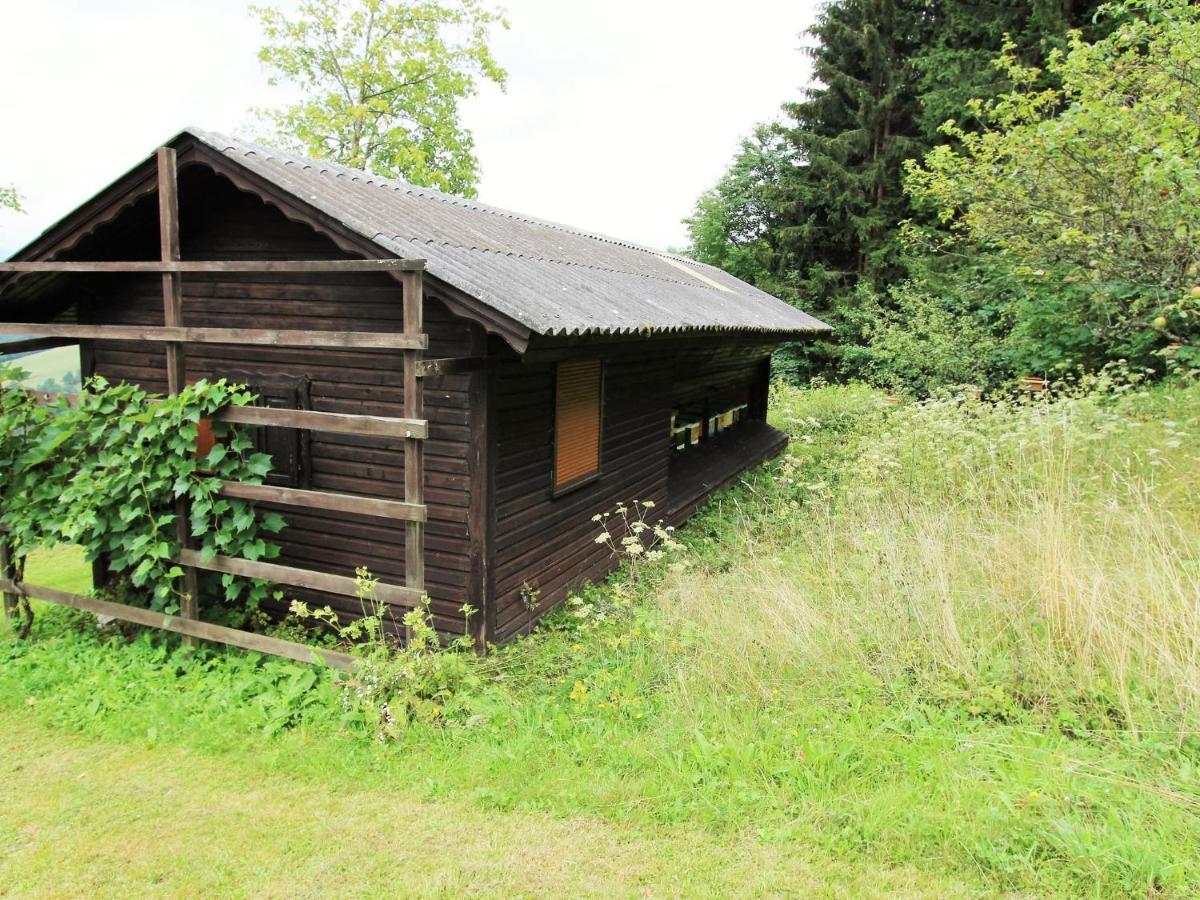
x=888, y=73
x=735, y=223
x=850, y=133
x=382, y=83
x=1090, y=191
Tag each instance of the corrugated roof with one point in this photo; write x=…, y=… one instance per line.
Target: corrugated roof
x=553, y=279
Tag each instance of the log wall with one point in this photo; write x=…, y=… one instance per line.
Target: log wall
x=220, y=222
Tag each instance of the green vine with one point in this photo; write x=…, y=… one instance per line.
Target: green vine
x=106, y=472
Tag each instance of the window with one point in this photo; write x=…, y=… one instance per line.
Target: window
x=289, y=448
x=577, y=423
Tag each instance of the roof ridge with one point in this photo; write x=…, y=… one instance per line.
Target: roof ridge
x=441, y=196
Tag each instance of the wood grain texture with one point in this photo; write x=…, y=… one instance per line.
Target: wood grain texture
x=219, y=221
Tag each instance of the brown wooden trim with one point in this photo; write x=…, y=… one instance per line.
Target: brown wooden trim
x=7, y=572
x=172, y=292
x=414, y=450
x=33, y=344
x=480, y=512
x=347, y=503
x=344, y=423
x=246, y=640
x=340, y=423
x=304, y=578
x=193, y=266
x=358, y=340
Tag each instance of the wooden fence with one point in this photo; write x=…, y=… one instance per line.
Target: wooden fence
x=412, y=429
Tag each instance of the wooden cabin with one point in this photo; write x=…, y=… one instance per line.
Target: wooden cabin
x=564, y=371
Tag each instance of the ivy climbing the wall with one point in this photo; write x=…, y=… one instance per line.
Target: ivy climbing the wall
x=105, y=473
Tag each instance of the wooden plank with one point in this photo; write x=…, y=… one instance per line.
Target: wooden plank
x=455, y=365
x=303, y=578
x=33, y=344
x=172, y=293
x=414, y=450
x=356, y=340
x=7, y=571
x=347, y=503
x=349, y=423
x=199, y=266
x=246, y=640
x=342, y=423
x=480, y=513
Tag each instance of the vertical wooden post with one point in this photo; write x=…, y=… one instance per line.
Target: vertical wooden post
x=481, y=465
x=8, y=570
x=172, y=287
x=414, y=448
x=87, y=369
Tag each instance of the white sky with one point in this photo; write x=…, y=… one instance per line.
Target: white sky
x=617, y=115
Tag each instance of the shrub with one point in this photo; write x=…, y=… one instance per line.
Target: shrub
x=1088, y=191
x=106, y=472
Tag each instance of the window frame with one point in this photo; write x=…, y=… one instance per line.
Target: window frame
x=556, y=489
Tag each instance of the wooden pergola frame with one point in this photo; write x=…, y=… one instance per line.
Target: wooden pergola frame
x=413, y=429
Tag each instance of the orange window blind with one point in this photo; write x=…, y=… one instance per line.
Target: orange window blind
x=577, y=421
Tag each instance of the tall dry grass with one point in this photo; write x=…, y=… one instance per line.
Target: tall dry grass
x=1012, y=556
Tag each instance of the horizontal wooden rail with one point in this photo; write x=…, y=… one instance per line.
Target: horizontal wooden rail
x=308, y=419
x=353, y=340
x=347, y=503
x=247, y=640
x=305, y=578
x=343, y=423
x=204, y=265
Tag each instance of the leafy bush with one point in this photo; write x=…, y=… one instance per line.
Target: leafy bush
x=920, y=343
x=106, y=472
x=1088, y=192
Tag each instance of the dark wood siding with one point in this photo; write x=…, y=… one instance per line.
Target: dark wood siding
x=220, y=222
x=547, y=542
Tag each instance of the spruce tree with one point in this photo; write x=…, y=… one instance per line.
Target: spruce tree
x=887, y=74
x=850, y=134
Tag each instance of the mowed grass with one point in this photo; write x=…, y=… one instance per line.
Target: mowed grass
x=939, y=649
x=90, y=818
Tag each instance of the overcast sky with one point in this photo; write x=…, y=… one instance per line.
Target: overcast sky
x=617, y=114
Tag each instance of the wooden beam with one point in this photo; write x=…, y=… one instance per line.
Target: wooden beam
x=343, y=423
x=172, y=292
x=481, y=470
x=33, y=344
x=355, y=340
x=203, y=266
x=453, y=365
x=414, y=450
x=246, y=640
x=7, y=572
x=305, y=578
x=347, y=503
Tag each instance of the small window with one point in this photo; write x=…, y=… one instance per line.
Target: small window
x=289, y=448
x=577, y=423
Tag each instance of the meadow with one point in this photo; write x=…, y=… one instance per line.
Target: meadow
x=947, y=648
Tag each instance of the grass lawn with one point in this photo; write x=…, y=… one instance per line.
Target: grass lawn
x=935, y=650
x=101, y=818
